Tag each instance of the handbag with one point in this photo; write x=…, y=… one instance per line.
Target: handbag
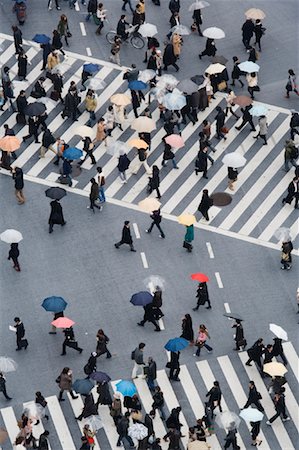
x=168, y=365
x=54, y=96
x=224, y=130
x=222, y=86
x=133, y=355
x=69, y=34
x=193, y=27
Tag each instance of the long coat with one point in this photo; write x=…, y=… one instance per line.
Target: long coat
x=169, y=57
x=104, y=394
x=126, y=235
x=201, y=162
x=70, y=104
x=205, y=203
x=65, y=382
x=177, y=44
x=202, y=293
x=123, y=163
x=189, y=236
x=187, y=330
x=56, y=215
x=210, y=49
x=22, y=66
x=174, y=360
x=89, y=408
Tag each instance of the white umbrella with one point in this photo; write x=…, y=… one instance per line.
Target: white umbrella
x=11, y=236
x=116, y=148
x=234, y=160
x=143, y=124
x=278, y=331
x=198, y=5
x=255, y=13
x=258, y=110
x=174, y=101
x=153, y=282
x=94, y=422
x=148, y=30
x=167, y=82
x=215, y=68
x=251, y=415
x=138, y=431
x=214, y=33
x=48, y=102
x=7, y=364
x=61, y=68
x=84, y=131
x=158, y=93
x=228, y=420
x=146, y=75
x=249, y=67
x=283, y=234
x=34, y=411
x=275, y=369
x=96, y=84
x=180, y=29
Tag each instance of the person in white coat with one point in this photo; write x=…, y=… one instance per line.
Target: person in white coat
x=230, y=103
x=119, y=115
x=263, y=129
x=252, y=81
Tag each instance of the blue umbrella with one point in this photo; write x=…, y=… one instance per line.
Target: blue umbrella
x=258, y=110
x=91, y=68
x=100, y=377
x=72, y=153
x=141, y=298
x=176, y=344
x=54, y=304
x=137, y=85
x=126, y=388
x=174, y=101
x=83, y=386
x=249, y=66
x=41, y=39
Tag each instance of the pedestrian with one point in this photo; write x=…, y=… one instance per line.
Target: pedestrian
x=116, y=408
x=50, y=2
x=132, y=403
x=90, y=106
x=141, y=160
x=168, y=155
x=47, y=143
x=46, y=48
x=247, y=32
x=101, y=184
x=259, y=31
x=42, y=402
x=239, y=335
x=3, y=387
x=43, y=443
x=201, y=162
x=22, y=65
x=252, y=81
x=20, y=10
x=70, y=341
x=14, y=254
x=232, y=175
x=84, y=443
x=71, y=102
x=52, y=61
x=197, y=17
x=63, y=28
x=293, y=192
x=122, y=428
x=280, y=407
x=210, y=49
x=205, y=204
x=174, y=6
x=89, y=408
x=253, y=55
x=94, y=195
x=137, y=356
x=169, y=58
x=157, y=219
x=104, y=397
x=255, y=353
x=56, y=215
x=201, y=339
x=115, y=50
x=154, y=181
x=236, y=72
x=220, y=119
x=176, y=41
x=187, y=329
x=215, y=396
x=88, y=148
x=263, y=129
x=254, y=397
x=123, y=165
x=294, y=123
x=56, y=43
x=202, y=296
x=125, y=2
x=158, y=403
x=230, y=103
x=231, y=438
x=173, y=421
x=126, y=237
x=174, y=439
x=91, y=365
x=17, y=37
x=255, y=431
x=56, y=316
x=119, y=115
x=21, y=105
x=174, y=366
x=291, y=85
x=149, y=316
x=278, y=350
x=38, y=89
x=151, y=373
x=247, y=118
x=20, y=334
x=33, y=126
x=18, y=177
x=102, y=341
x=189, y=237
x=109, y=120
x=286, y=250
x=57, y=80
x=65, y=382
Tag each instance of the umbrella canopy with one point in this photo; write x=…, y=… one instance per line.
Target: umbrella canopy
x=143, y=124
x=249, y=66
x=84, y=131
x=221, y=199
x=141, y=298
x=83, y=386
x=100, y=377
x=154, y=282
x=56, y=193
x=251, y=415
x=34, y=411
x=149, y=204
x=198, y=5
x=41, y=39
x=283, y=234
x=63, y=322
x=146, y=75
x=176, y=344
x=258, y=110
x=234, y=159
x=34, y=109
x=255, y=13
x=48, y=102
x=187, y=219
x=7, y=364
x=96, y=84
x=214, y=33
x=3, y=435
x=201, y=277
x=11, y=236
x=232, y=315
x=275, y=369
x=116, y=148
x=215, y=68
x=94, y=422
x=91, y=68
x=137, y=85
x=120, y=99
x=10, y=143
x=181, y=29
x=168, y=82
x=54, y=304
x=148, y=30
x=138, y=431
x=198, y=79
x=60, y=68
x=278, y=331
x=72, y=153
x=174, y=100
x=228, y=420
x=219, y=59
x=243, y=100
x=198, y=445
x=126, y=388
x=187, y=86
x=138, y=143
x=175, y=141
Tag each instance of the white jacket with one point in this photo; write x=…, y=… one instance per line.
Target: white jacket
x=252, y=81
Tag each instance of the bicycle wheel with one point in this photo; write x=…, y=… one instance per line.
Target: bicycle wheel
x=110, y=36
x=137, y=41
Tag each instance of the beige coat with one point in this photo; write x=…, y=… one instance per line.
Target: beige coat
x=52, y=61
x=177, y=44
x=101, y=135
x=90, y=103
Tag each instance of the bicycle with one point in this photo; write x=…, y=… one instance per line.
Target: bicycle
x=136, y=40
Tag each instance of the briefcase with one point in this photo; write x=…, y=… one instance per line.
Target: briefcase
x=23, y=343
x=54, y=96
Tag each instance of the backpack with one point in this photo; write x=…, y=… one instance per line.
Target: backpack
x=294, y=153
x=142, y=154
x=133, y=355
x=103, y=181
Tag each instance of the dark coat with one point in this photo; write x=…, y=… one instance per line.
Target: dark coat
x=201, y=162
x=92, y=6
x=205, y=203
x=210, y=49
x=202, y=293
x=17, y=35
x=174, y=6
x=220, y=119
x=32, y=126
x=258, y=30
x=277, y=347
x=21, y=103
x=236, y=72
x=152, y=63
x=132, y=403
x=102, y=341
x=66, y=167
x=123, y=163
x=253, y=395
x=157, y=218
x=126, y=235
x=252, y=55
x=122, y=426
x=135, y=99
x=70, y=104
x=91, y=365
x=155, y=179
x=39, y=90
x=94, y=191
x=104, y=394
x=22, y=65
x=247, y=29
x=43, y=442
x=215, y=394
x=152, y=370
x=173, y=420
x=57, y=82
x=46, y=51
x=202, y=98
x=20, y=331
x=187, y=330
x=149, y=313
x=89, y=408
x=232, y=173
x=56, y=215
x=168, y=154
x=14, y=251
x=256, y=351
x=56, y=42
x=239, y=332
x=174, y=360
x=148, y=422
x=169, y=57
x=19, y=179
x=48, y=138
x=158, y=399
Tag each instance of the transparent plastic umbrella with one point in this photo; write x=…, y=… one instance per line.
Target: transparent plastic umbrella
x=234, y=159
x=148, y=30
x=146, y=75
x=7, y=364
x=116, y=148
x=174, y=101
x=167, y=82
x=278, y=331
x=94, y=422
x=228, y=420
x=138, y=431
x=153, y=282
x=198, y=5
x=181, y=29
x=34, y=410
x=251, y=415
x=96, y=84
x=283, y=234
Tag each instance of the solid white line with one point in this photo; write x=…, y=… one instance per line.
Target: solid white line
x=219, y=281
x=144, y=260
x=77, y=7
x=161, y=324
x=227, y=308
x=88, y=51
x=210, y=250
x=82, y=27
x=136, y=231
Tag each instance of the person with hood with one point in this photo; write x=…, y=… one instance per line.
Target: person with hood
x=187, y=328
x=14, y=254
x=65, y=382
x=56, y=215
x=126, y=237
x=210, y=49
x=247, y=118
x=47, y=143
x=236, y=73
x=116, y=408
x=91, y=365
x=17, y=174
x=70, y=341
x=157, y=219
x=123, y=165
x=22, y=65
x=290, y=154
x=220, y=119
x=189, y=237
x=202, y=296
x=89, y=408
x=201, y=162
x=263, y=129
x=169, y=58
x=247, y=32
x=205, y=204
x=43, y=443
x=254, y=397
x=239, y=335
x=286, y=250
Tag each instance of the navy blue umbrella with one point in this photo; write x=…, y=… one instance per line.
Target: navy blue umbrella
x=137, y=85
x=41, y=39
x=141, y=298
x=176, y=344
x=83, y=386
x=91, y=68
x=72, y=153
x=54, y=304
x=100, y=377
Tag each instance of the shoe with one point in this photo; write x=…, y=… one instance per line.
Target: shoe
x=176, y=379
x=18, y=349
x=252, y=129
x=268, y=422
x=140, y=324
x=209, y=351
x=26, y=347
x=61, y=399
x=58, y=8
x=282, y=268
x=37, y=422
x=208, y=307
x=194, y=354
x=157, y=329
x=205, y=177
x=248, y=364
x=8, y=398
x=116, y=246
x=147, y=231
x=75, y=397
x=133, y=250
x=161, y=236
x=81, y=350
x=237, y=128
x=50, y=8
x=199, y=56
x=194, y=309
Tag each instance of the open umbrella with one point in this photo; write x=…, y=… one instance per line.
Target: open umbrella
x=181, y=29
x=3, y=435
x=96, y=84
x=278, y=331
x=84, y=131
x=187, y=86
x=221, y=199
x=243, y=100
x=148, y=30
x=198, y=79
x=100, y=377
x=34, y=411
x=120, y=99
x=61, y=68
x=91, y=68
x=187, y=219
x=11, y=236
x=255, y=13
x=233, y=316
x=10, y=143
x=56, y=193
x=116, y=148
x=198, y=5
x=137, y=85
x=154, y=282
x=258, y=110
x=176, y=344
x=219, y=59
x=72, y=153
x=146, y=75
x=234, y=159
x=34, y=109
x=168, y=82
x=214, y=33
x=198, y=445
x=175, y=141
x=126, y=388
x=48, y=102
x=41, y=39
x=138, y=143
x=201, y=277
x=228, y=420
x=149, y=204
x=94, y=422
x=249, y=66
x=7, y=364
x=54, y=304
x=215, y=68
x=283, y=234
x=275, y=369
x=141, y=298
x=251, y=415
x=138, y=431
x=63, y=322
x=174, y=100
x=83, y=386
x=143, y=124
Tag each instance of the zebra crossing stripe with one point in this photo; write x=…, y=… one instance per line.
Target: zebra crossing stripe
x=292, y=357
x=279, y=219
x=60, y=424
x=10, y=423
x=37, y=430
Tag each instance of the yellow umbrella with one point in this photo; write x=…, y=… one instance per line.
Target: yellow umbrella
x=138, y=143
x=198, y=445
x=143, y=124
x=120, y=99
x=275, y=369
x=10, y=143
x=255, y=13
x=149, y=204
x=187, y=219
x=84, y=131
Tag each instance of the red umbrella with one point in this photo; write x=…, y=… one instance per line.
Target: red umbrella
x=201, y=277
x=242, y=100
x=63, y=322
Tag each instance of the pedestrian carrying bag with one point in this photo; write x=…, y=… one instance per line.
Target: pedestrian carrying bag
x=133, y=355
x=222, y=86
x=224, y=130
x=24, y=343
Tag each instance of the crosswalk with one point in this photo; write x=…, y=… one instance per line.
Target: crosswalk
x=256, y=210
x=195, y=380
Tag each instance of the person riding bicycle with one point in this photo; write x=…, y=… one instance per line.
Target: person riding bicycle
x=121, y=28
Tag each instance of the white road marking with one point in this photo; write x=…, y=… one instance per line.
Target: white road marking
x=144, y=260
x=88, y=51
x=161, y=324
x=77, y=7
x=227, y=308
x=136, y=231
x=210, y=250
x=83, y=30
x=219, y=281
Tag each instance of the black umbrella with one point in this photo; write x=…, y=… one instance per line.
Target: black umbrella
x=34, y=109
x=233, y=316
x=100, y=377
x=198, y=79
x=56, y=193
x=221, y=199
x=219, y=59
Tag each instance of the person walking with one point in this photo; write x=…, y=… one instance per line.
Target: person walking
x=252, y=54
x=91, y=9
x=21, y=105
x=33, y=126
x=205, y=204
x=239, y=335
x=286, y=250
x=202, y=296
x=157, y=219
x=168, y=154
x=52, y=61
x=56, y=44
x=220, y=119
x=236, y=72
x=22, y=65
x=255, y=353
x=42, y=402
x=174, y=366
x=101, y=184
x=65, y=382
x=247, y=118
x=255, y=431
x=50, y=2
x=104, y=397
x=141, y=160
x=90, y=106
x=154, y=181
x=169, y=58
x=201, y=162
x=230, y=103
x=56, y=316
x=115, y=50
x=291, y=85
x=126, y=237
x=63, y=28
x=20, y=334
x=3, y=387
x=232, y=175
x=14, y=254
x=123, y=165
x=201, y=339
x=291, y=154
x=138, y=360
x=43, y=443
x=70, y=341
x=259, y=31
x=293, y=192
x=158, y=403
x=18, y=39
x=215, y=396
x=122, y=428
x=197, y=17
x=187, y=329
x=278, y=350
x=18, y=177
x=91, y=365
x=294, y=123
x=48, y=140
x=149, y=316
x=116, y=408
x=263, y=129
x=280, y=407
x=56, y=215
x=151, y=373
x=210, y=49
x=101, y=132
x=189, y=237
x=231, y=439
x=254, y=397
x=247, y=32
x=252, y=81
x=88, y=148
x=89, y=408
x=94, y=195
x=102, y=341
